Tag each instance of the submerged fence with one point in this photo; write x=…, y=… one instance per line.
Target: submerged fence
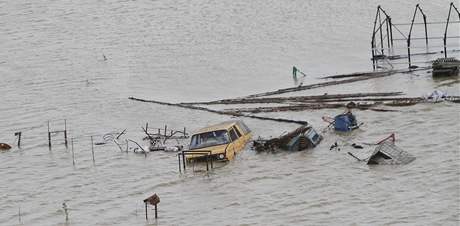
x=384, y=28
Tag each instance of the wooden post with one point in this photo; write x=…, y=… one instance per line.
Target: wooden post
x=73, y=153
x=166, y=127
x=152, y=200
x=184, y=132
x=49, y=136
x=19, y=134
x=92, y=149
x=65, y=132
x=178, y=158
x=183, y=160
x=146, y=215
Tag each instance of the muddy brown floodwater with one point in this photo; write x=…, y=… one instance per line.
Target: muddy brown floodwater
x=81, y=60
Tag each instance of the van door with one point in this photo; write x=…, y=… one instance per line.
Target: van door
x=236, y=136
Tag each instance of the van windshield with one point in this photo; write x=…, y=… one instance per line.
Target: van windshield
x=209, y=139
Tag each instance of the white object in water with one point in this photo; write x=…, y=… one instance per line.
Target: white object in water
x=436, y=96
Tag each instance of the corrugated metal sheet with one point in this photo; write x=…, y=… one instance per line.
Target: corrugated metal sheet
x=388, y=153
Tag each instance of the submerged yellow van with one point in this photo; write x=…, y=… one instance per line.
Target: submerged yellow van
x=222, y=140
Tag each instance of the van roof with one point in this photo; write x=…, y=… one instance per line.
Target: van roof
x=220, y=126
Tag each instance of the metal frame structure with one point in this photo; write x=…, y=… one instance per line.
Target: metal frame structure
x=208, y=158
x=380, y=34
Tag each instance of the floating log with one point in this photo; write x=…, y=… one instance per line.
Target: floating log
x=221, y=112
x=368, y=105
x=317, y=85
x=358, y=74
x=300, y=107
x=314, y=98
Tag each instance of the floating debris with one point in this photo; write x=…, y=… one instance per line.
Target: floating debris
x=221, y=112
x=314, y=98
x=4, y=147
x=446, y=67
x=386, y=152
x=304, y=137
x=345, y=122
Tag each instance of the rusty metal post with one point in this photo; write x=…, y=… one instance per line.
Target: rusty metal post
x=212, y=166
x=391, y=31
x=388, y=35
x=408, y=51
x=373, y=54
x=445, y=32
x=426, y=31
x=65, y=132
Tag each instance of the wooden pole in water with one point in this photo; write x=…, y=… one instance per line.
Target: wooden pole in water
x=19, y=215
x=166, y=127
x=183, y=160
x=19, y=134
x=178, y=158
x=49, y=136
x=73, y=153
x=92, y=149
x=146, y=216
x=65, y=132
x=156, y=211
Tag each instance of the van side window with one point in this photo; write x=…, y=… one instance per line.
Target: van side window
x=237, y=131
x=233, y=135
x=244, y=128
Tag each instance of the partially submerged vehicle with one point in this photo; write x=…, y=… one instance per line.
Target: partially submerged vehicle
x=221, y=141
x=302, y=138
x=446, y=67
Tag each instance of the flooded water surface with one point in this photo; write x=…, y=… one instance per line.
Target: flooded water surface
x=81, y=60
